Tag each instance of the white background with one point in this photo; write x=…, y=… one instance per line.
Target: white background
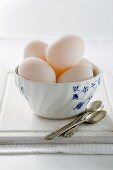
x=43, y=19
x=49, y=18
x=92, y=18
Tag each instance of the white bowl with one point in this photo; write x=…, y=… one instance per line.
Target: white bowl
x=58, y=100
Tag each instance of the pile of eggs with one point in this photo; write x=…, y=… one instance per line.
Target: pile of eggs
x=60, y=62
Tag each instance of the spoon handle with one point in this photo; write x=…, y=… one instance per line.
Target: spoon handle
x=62, y=130
x=71, y=131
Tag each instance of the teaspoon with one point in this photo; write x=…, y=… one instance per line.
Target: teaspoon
x=62, y=130
x=92, y=107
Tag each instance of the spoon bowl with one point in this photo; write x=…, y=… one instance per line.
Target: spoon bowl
x=95, y=116
x=94, y=106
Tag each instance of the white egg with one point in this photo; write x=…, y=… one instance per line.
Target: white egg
x=36, y=49
x=76, y=74
x=36, y=69
x=95, y=70
x=85, y=62
x=65, y=53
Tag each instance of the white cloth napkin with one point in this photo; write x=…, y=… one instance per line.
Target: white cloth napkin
x=106, y=149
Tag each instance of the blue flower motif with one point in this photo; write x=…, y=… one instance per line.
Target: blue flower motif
x=75, y=96
x=75, y=88
x=92, y=84
x=99, y=81
x=85, y=89
x=79, y=105
x=22, y=89
x=90, y=97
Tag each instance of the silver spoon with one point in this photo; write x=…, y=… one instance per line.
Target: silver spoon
x=93, y=117
x=71, y=124
x=92, y=107
x=95, y=106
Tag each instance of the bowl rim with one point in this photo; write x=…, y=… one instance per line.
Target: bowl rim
x=48, y=83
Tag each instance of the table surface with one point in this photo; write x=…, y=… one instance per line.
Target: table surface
x=95, y=51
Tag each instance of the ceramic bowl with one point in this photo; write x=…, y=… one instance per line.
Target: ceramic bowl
x=58, y=100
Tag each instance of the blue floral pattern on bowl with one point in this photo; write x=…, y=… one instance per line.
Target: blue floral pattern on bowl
x=77, y=90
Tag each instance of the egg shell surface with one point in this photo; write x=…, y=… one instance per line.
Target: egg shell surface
x=85, y=62
x=36, y=69
x=95, y=70
x=76, y=74
x=36, y=49
x=65, y=53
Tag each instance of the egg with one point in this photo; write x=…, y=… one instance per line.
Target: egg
x=36, y=69
x=76, y=74
x=36, y=49
x=95, y=70
x=85, y=62
x=65, y=53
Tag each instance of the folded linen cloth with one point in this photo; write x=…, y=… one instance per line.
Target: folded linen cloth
x=106, y=149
